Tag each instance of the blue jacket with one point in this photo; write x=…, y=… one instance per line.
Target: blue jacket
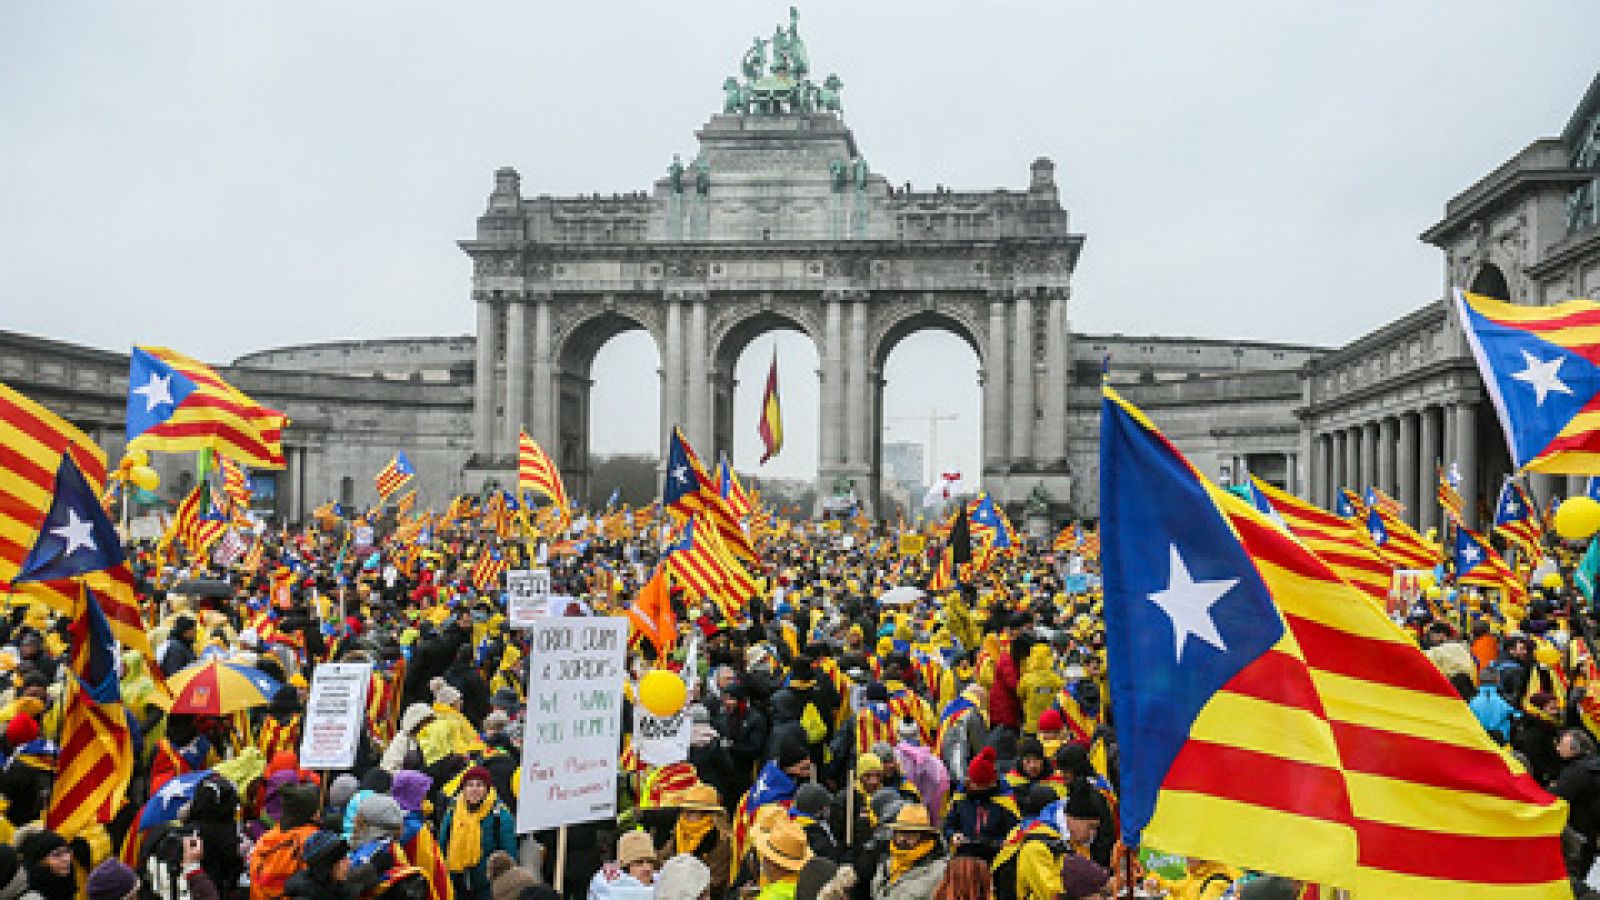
x=1493, y=712
x=499, y=832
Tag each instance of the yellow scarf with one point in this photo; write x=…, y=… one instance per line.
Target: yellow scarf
x=901, y=861
x=466, y=833
x=687, y=835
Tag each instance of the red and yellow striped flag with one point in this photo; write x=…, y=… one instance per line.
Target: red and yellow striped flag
x=1365, y=769
x=1398, y=543
x=190, y=525
x=1343, y=545
x=32, y=440
x=537, y=472
x=1449, y=497
x=489, y=569
x=212, y=415
x=96, y=758
x=771, y=425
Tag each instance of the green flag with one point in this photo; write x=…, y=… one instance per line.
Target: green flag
x=1588, y=570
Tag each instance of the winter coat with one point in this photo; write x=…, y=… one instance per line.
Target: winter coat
x=1004, y=708
x=1038, y=687
x=1493, y=712
x=982, y=818
x=1579, y=785
x=498, y=832
x=917, y=884
x=962, y=741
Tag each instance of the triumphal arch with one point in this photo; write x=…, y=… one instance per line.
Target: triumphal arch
x=777, y=222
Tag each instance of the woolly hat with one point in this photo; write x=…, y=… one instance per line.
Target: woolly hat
x=1080, y=803
x=682, y=877
x=884, y=751
x=111, y=880
x=1081, y=877
x=886, y=804
x=791, y=753
x=477, y=773
x=21, y=729
x=13, y=880
x=811, y=799
x=868, y=764
x=1030, y=746
x=343, y=788
x=410, y=789
x=443, y=692
x=1050, y=720
x=381, y=811
x=981, y=772
x=814, y=875
x=496, y=721
x=634, y=846
x=505, y=698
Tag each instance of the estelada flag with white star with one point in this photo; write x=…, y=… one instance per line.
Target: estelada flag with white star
x=1541, y=367
x=1270, y=716
x=1477, y=564
x=1516, y=519
x=177, y=404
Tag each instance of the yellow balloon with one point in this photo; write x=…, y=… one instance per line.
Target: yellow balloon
x=145, y=477
x=662, y=692
x=135, y=457
x=1577, y=518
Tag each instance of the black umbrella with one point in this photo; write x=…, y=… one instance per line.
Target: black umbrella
x=203, y=587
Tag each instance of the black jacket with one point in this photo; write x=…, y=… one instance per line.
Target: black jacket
x=1579, y=785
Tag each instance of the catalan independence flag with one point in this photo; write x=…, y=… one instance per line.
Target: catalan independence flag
x=1516, y=518
x=177, y=405
x=1477, y=564
x=690, y=489
x=489, y=569
x=1541, y=367
x=1340, y=543
x=96, y=756
x=1398, y=543
x=537, y=472
x=395, y=474
x=771, y=425
x=1272, y=718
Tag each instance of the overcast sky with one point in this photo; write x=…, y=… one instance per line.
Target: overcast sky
x=224, y=177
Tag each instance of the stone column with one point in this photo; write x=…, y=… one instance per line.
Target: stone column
x=1319, y=477
x=1291, y=476
x=996, y=399
x=858, y=422
x=1369, y=456
x=295, y=475
x=1022, y=400
x=1429, y=424
x=672, y=400
x=541, y=416
x=1407, y=469
x=1388, y=436
x=832, y=387
x=1348, y=449
x=1467, y=456
x=483, y=392
x=516, y=370
x=698, y=388
x=1050, y=438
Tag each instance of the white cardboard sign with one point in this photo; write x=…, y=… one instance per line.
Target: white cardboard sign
x=336, y=715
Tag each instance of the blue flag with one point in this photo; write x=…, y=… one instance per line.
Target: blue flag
x=77, y=536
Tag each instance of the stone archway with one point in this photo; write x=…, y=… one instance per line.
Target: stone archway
x=899, y=321
x=568, y=416
x=731, y=334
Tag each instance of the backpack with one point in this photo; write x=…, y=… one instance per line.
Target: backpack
x=163, y=868
x=1005, y=874
x=811, y=720
x=277, y=856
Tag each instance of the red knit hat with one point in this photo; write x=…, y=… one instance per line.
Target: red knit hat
x=21, y=730
x=981, y=772
x=1050, y=720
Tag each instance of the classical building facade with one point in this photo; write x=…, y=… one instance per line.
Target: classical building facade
x=778, y=222
x=1393, y=405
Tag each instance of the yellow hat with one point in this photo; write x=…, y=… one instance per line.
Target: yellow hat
x=785, y=847
x=913, y=817
x=298, y=681
x=699, y=796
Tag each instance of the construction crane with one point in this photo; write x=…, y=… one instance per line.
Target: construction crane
x=933, y=418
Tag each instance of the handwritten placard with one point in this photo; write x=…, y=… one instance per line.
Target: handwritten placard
x=574, y=722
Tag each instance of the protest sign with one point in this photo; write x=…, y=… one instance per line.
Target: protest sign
x=574, y=721
x=527, y=596
x=336, y=714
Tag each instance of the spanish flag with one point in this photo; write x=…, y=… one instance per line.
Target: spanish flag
x=1233, y=649
x=771, y=426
